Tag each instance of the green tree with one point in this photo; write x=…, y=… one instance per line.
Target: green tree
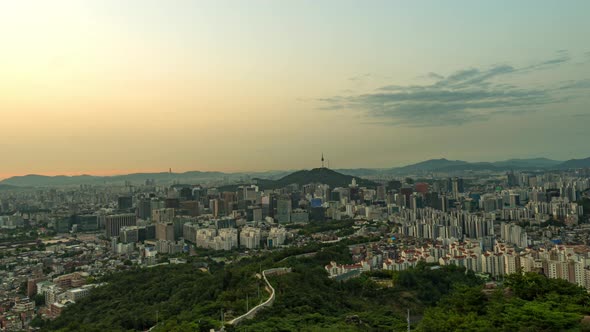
x=39, y=300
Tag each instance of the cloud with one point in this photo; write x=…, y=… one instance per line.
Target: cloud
x=576, y=84
x=467, y=95
x=561, y=57
x=435, y=76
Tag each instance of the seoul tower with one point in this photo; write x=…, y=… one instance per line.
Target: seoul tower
x=322, y=160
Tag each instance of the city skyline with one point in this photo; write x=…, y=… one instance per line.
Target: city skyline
x=110, y=88
x=320, y=163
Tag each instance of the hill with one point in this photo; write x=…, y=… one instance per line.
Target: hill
x=429, y=165
x=7, y=187
x=469, y=167
x=34, y=180
x=360, y=172
x=182, y=298
x=530, y=302
x=446, y=298
x=317, y=175
x=575, y=163
x=527, y=163
x=448, y=166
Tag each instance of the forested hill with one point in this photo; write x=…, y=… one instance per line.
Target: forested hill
x=184, y=298
x=317, y=175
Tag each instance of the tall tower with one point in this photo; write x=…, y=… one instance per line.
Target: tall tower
x=322, y=160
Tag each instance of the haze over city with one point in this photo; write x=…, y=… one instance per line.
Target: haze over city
x=111, y=87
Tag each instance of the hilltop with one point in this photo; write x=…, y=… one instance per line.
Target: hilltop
x=317, y=175
x=430, y=165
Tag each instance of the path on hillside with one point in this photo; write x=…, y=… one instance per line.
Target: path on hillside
x=268, y=302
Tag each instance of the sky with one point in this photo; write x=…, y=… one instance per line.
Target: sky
x=109, y=86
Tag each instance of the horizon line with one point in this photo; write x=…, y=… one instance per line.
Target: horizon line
x=112, y=173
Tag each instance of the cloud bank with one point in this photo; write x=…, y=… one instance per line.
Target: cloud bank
x=465, y=96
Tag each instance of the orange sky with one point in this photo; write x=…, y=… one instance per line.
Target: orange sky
x=110, y=87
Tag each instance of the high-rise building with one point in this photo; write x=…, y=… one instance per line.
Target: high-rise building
x=254, y=213
x=86, y=222
x=250, y=193
x=514, y=234
x=124, y=202
x=156, y=204
x=490, y=202
x=493, y=263
x=191, y=208
x=129, y=234
x=163, y=215
x=225, y=222
x=186, y=194
x=165, y=231
x=444, y=203
x=284, y=209
x=144, y=209
x=511, y=179
x=113, y=223
x=381, y=191
x=172, y=203
x=250, y=237
x=229, y=200
x=458, y=186
x=514, y=200
x=421, y=187
x=276, y=237
x=214, y=207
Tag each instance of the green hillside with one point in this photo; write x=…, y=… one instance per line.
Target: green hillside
x=184, y=298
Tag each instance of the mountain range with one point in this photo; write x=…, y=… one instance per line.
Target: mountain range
x=445, y=165
x=276, y=179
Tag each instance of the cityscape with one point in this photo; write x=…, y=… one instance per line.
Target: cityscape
x=58, y=242
x=305, y=166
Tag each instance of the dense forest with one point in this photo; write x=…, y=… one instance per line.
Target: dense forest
x=528, y=302
x=189, y=297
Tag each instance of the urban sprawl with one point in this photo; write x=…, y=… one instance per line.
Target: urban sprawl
x=56, y=242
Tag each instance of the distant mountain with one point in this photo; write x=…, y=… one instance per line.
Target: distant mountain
x=528, y=163
x=192, y=177
x=34, y=180
x=575, y=163
x=361, y=171
x=429, y=166
x=340, y=177
x=316, y=175
x=469, y=167
x=164, y=176
x=449, y=166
